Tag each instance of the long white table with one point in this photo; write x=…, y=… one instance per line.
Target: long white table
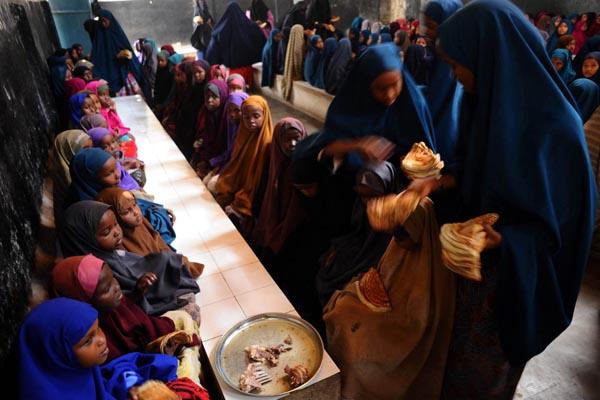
x=234, y=285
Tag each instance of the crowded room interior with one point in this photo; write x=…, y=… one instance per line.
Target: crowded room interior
x=300, y=199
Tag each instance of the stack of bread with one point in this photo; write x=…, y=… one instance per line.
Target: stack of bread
x=462, y=244
x=421, y=162
x=389, y=212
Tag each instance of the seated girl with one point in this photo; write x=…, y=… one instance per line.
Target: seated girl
x=94, y=169
x=236, y=83
x=61, y=350
x=139, y=236
x=126, y=326
x=561, y=58
x=234, y=115
x=80, y=104
x=105, y=140
x=109, y=112
x=156, y=282
x=91, y=121
x=211, y=127
x=240, y=186
x=66, y=145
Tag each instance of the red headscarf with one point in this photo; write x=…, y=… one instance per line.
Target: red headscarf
x=127, y=327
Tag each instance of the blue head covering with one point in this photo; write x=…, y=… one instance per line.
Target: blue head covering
x=48, y=367
x=357, y=23
x=270, y=59
x=84, y=167
x=235, y=41
x=553, y=40
x=354, y=113
x=587, y=96
x=176, y=58
x=339, y=66
x=374, y=39
x=386, y=38
x=528, y=162
x=566, y=73
x=75, y=104
x=441, y=10
x=107, y=43
x=329, y=48
x=443, y=94
x=311, y=61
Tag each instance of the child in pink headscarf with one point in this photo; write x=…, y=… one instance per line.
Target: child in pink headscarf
x=109, y=112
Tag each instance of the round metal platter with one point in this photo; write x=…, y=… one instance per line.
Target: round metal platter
x=269, y=329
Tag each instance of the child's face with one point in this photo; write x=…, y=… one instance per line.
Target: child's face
x=590, y=67
x=110, y=144
x=130, y=213
x=109, y=234
x=253, y=118
x=289, y=139
x=68, y=75
x=571, y=46
x=108, y=293
x=387, y=87
x=431, y=28
x=104, y=97
x=278, y=37
x=199, y=75
x=92, y=349
x=88, y=76
x=320, y=44
x=89, y=107
x=234, y=87
x=105, y=22
x=109, y=174
x=562, y=29
x=558, y=63
x=162, y=62
x=180, y=76
x=234, y=113
x=96, y=101
x=212, y=101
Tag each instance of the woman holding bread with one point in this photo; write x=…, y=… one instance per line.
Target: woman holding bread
x=528, y=163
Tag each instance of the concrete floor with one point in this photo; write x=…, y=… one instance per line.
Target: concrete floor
x=569, y=369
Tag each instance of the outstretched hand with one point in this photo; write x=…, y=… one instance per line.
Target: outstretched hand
x=375, y=148
x=493, y=237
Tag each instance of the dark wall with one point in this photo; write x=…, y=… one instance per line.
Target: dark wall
x=29, y=122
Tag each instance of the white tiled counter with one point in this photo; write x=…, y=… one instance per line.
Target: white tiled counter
x=234, y=285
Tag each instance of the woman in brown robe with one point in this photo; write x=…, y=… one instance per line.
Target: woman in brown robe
x=400, y=353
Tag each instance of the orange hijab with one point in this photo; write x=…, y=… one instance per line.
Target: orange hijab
x=242, y=175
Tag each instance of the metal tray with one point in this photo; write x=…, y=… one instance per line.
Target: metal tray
x=265, y=330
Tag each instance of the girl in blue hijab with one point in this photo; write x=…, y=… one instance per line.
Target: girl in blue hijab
x=108, y=42
x=565, y=27
x=443, y=94
x=529, y=163
x=312, y=59
x=329, y=48
x=587, y=96
x=561, y=58
x=270, y=58
x=60, y=352
x=93, y=170
x=377, y=99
